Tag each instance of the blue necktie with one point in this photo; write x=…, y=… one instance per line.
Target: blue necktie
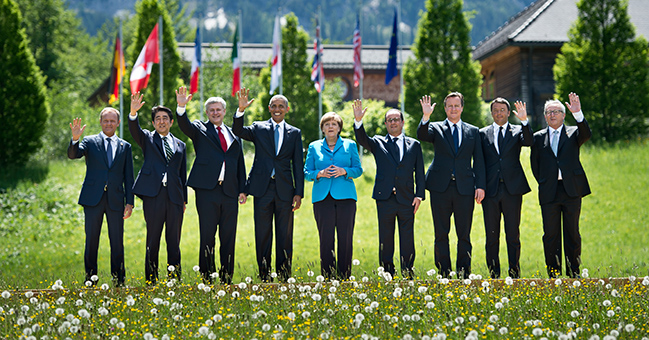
x=554, y=144
x=456, y=137
x=272, y=174
x=109, y=151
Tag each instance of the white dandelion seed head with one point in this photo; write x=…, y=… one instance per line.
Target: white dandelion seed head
x=498, y=305
x=459, y=320
x=310, y=273
x=629, y=328
x=610, y=313
x=493, y=318
x=291, y=280
x=503, y=330
x=320, y=278
x=574, y=313
x=291, y=316
x=431, y=272
x=537, y=332
x=235, y=294
x=171, y=268
x=509, y=281
x=356, y=262
x=196, y=268
x=606, y=303
x=214, y=275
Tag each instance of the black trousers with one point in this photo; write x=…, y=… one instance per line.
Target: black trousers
x=568, y=209
x=335, y=217
x=158, y=212
x=510, y=208
x=216, y=211
x=94, y=217
x=443, y=205
x=388, y=210
x=266, y=207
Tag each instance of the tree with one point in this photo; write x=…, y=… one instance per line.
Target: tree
x=442, y=63
x=608, y=68
x=24, y=106
x=297, y=84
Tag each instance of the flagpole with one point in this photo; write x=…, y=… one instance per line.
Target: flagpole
x=319, y=56
x=160, y=35
x=360, y=54
x=201, y=69
x=121, y=104
x=281, y=75
x=400, y=57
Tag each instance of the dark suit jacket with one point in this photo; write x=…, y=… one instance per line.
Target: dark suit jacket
x=508, y=162
x=210, y=157
x=149, y=179
x=288, y=163
x=545, y=165
x=117, y=180
x=469, y=175
x=392, y=173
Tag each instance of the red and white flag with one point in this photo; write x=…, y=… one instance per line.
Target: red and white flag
x=236, y=63
x=276, y=60
x=196, y=63
x=358, y=66
x=142, y=68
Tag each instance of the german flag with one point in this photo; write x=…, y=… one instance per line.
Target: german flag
x=117, y=72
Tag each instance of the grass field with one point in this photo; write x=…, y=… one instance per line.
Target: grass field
x=42, y=227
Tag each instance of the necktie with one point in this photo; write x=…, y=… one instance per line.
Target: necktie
x=456, y=137
x=168, y=151
x=276, y=139
x=396, y=147
x=555, y=141
x=501, y=138
x=224, y=144
x=109, y=151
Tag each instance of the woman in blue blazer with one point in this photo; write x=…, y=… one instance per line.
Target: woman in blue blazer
x=331, y=163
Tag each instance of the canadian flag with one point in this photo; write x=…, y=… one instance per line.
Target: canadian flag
x=142, y=67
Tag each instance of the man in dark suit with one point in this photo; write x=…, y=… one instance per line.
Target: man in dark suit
x=506, y=183
x=161, y=184
x=276, y=180
x=218, y=178
x=397, y=157
x=562, y=183
x=107, y=186
x=453, y=181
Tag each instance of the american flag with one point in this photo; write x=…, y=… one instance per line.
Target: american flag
x=356, y=41
x=317, y=74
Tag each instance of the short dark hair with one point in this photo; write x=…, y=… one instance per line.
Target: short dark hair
x=454, y=94
x=392, y=111
x=500, y=100
x=164, y=109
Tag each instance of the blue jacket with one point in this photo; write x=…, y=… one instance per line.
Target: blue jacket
x=345, y=155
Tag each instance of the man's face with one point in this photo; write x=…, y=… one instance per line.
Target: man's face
x=215, y=113
x=453, y=109
x=162, y=123
x=554, y=116
x=500, y=113
x=109, y=122
x=394, y=123
x=278, y=109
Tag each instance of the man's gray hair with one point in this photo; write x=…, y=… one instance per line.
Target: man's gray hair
x=553, y=102
x=212, y=100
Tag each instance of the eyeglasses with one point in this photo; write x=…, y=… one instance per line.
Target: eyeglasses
x=393, y=120
x=553, y=112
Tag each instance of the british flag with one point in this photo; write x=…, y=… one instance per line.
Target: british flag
x=317, y=74
x=356, y=41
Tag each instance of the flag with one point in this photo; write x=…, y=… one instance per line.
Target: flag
x=392, y=70
x=196, y=63
x=236, y=63
x=317, y=75
x=148, y=56
x=276, y=61
x=117, y=72
x=356, y=42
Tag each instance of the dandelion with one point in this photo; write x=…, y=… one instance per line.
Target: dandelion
x=235, y=294
x=103, y=311
x=614, y=293
x=574, y=313
x=221, y=293
x=405, y=318
x=498, y=305
x=214, y=275
x=310, y=273
x=171, y=293
x=532, y=284
x=557, y=282
x=537, y=332
x=629, y=328
x=148, y=336
x=430, y=305
x=320, y=278
x=610, y=313
x=615, y=333
x=265, y=327
x=444, y=281
x=557, y=298
x=291, y=316
x=316, y=297
x=477, y=299
x=217, y=318
x=356, y=262
x=422, y=289
x=459, y=320
x=203, y=330
x=509, y=281
x=485, y=284
x=154, y=311
x=415, y=317
x=273, y=275
x=606, y=303
x=88, y=283
x=242, y=285
x=503, y=330
x=196, y=268
x=291, y=280
x=504, y=300
x=431, y=272
x=576, y=284
x=207, y=289
x=493, y=318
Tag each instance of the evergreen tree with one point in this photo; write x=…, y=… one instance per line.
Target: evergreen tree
x=442, y=64
x=608, y=68
x=297, y=84
x=24, y=106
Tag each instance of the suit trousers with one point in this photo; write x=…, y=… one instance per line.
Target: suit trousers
x=94, y=217
x=216, y=211
x=335, y=217
x=443, y=205
x=566, y=208
x=266, y=207
x=388, y=210
x=158, y=212
x=510, y=207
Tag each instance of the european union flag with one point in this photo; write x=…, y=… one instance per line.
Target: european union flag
x=392, y=70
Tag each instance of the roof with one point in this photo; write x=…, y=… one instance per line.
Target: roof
x=334, y=56
x=547, y=22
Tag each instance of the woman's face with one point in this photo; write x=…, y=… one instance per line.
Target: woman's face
x=330, y=129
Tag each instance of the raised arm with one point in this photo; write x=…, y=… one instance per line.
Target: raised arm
x=526, y=138
x=133, y=123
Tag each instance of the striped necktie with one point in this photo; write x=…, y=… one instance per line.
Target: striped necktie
x=168, y=151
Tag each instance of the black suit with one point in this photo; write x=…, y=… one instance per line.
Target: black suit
x=452, y=179
x=216, y=202
x=273, y=196
x=394, y=192
x=563, y=197
x=506, y=185
x=163, y=203
x=104, y=191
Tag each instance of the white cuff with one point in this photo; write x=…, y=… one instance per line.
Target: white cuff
x=424, y=121
x=579, y=116
x=180, y=110
x=358, y=124
x=132, y=117
x=239, y=114
x=525, y=122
